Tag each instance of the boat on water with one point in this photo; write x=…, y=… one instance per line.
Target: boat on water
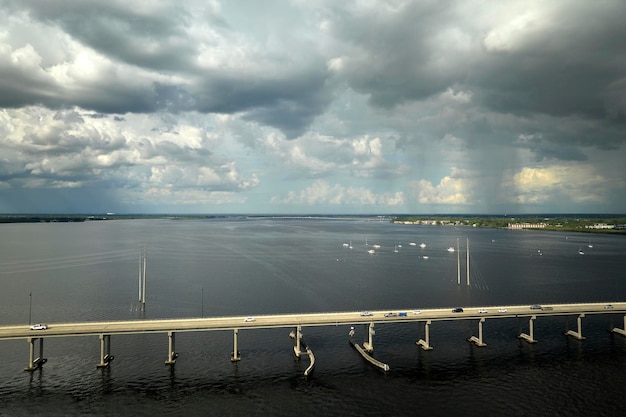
x=412, y=243
x=376, y=246
x=580, y=251
x=422, y=245
x=395, y=249
x=451, y=249
x=371, y=251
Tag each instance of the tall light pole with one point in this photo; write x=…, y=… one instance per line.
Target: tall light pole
x=468, y=263
x=30, y=308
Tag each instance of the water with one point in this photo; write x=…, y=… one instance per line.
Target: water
x=88, y=271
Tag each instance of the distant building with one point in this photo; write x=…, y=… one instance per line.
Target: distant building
x=601, y=226
x=520, y=226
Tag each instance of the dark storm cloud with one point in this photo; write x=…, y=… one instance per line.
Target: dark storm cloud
x=572, y=64
x=149, y=36
x=396, y=55
x=272, y=89
x=574, y=67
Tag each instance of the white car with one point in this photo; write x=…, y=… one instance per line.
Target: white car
x=249, y=319
x=38, y=327
x=482, y=311
x=417, y=312
x=366, y=313
x=502, y=310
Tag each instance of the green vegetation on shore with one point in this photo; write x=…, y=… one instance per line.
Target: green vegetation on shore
x=589, y=223
x=613, y=224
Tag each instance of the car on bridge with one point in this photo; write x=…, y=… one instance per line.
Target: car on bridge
x=38, y=326
x=249, y=319
x=482, y=311
x=502, y=310
x=391, y=314
x=457, y=310
x=366, y=313
x=535, y=307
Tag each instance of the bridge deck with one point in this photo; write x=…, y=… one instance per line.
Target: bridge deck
x=307, y=319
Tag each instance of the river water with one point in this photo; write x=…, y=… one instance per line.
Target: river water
x=235, y=266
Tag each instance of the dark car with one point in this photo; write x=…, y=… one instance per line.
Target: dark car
x=457, y=310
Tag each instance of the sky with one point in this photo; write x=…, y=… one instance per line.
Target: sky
x=313, y=106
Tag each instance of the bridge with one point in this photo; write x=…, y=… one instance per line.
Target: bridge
x=104, y=330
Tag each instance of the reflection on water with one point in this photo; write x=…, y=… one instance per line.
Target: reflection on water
x=89, y=271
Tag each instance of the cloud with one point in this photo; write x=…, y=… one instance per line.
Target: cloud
x=449, y=191
x=575, y=185
x=321, y=193
x=332, y=106
x=72, y=147
x=120, y=58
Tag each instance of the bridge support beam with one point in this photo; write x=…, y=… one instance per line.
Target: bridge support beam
x=35, y=363
x=478, y=340
x=424, y=343
x=529, y=337
x=171, y=349
x=297, y=336
x=105, y=351
x=579, y=334
x=369, y=345
x=620, y=331
x=235, y=356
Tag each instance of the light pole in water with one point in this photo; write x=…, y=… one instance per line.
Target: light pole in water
x=30, y=308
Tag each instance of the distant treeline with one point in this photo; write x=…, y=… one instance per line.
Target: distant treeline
x=578, y=223
x=43, y=219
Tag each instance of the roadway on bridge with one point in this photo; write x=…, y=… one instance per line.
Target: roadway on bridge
x=307, y=319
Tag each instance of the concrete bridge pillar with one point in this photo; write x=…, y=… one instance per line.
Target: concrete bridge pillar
x=478, y=340
x=620, y=331
x=369, y=345
x=105, y=351
x=529, y=337
x=579, y=334
x=235, y=356
x=297, y=349
x=424, y=343
x=171, y=352
x=32, y=362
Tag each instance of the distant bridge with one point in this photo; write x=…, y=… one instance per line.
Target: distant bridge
x=104, y=330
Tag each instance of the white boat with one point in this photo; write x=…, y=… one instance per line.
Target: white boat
x=412, y=243
x=451, y=249
x=376, y=246
x=345, y=245
x=580, y=251
x=422, y=245
x=371, y=251
x=424, y=257
x=395, y=249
